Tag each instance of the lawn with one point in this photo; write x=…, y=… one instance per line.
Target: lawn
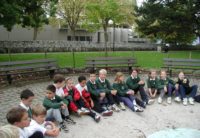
x=145, y=59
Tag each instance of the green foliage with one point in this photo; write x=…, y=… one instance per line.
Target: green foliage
x=170, y=21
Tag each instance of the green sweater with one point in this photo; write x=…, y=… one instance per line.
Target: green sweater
x=121, y=88
x=54, y=103
x=132, y=83
x=104, y=86
x=152, y=83
x=92, y=88
x=162, y=83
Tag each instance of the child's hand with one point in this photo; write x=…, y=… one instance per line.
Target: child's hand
x=66, y=94
x=177, y=86
x=102, y=95
x=141, y=82
x=92, y=103
x=165, y=88
x=113, y=92
x=131, y=92
x=56, y=132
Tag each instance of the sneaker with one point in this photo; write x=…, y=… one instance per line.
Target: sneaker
x=64, y=127
x=80, y=112
x=191, y=101
x=107, y=113
x=159, y=100
x=150, y=101
x=177, y=99
x=169, y=100
x=137, y=109
x=85, y=110
x=122, y=106
x=69, y=120
x=97, y=118
x=109, y=107
x=185, y=101
x=115, y=108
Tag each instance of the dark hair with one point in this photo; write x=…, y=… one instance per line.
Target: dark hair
x=25, y=94
x=58, y=78
x=51, y=88
x=135, y=70
x=81, y=78
x=15, y=114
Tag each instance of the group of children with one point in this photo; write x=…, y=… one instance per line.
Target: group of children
x=94, y=97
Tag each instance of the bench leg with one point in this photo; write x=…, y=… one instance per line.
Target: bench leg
x=51, y=73
x=170, y=72
x=9, y=79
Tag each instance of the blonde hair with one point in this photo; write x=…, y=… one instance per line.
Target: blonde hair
x=39, y=109
x=67, y=79
x=117, y=76
x=102, y=71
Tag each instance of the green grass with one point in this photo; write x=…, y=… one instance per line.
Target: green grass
x=145, y=59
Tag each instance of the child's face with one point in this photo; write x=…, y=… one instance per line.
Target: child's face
x=39, y=119
x=92, y=77
x=83, y=83
x=102, y=76
x=181, y=76
x=153, y=74
x=60, y=84
x=121, y=78
x=28, y=101
x=163, y=75
x=50, y=94
x=70, y=84
x=134, y=73
x=25, y=121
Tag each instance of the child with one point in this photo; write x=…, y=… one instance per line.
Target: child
x=59, y=82
x=136, y=84
x=18, y=117
x=9, y=131
x=71, y=93
x=53, y=104
x=84, y=97
x=38, y=122
x=104, y=86
x=98, y=97
x=186, y=89
x=152, y=84
x=126, y=94
x=166, y=85
x=26, y=97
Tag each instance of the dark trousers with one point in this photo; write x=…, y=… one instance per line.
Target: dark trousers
x=143, y=94
x=112, y=99
x=129, y=101
x=170, y=89
x=37, y=134
x=191, y=92
x=98, y=105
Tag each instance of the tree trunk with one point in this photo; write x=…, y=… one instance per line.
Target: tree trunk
x=72, y=48
x=105, y=39
x=35, y=31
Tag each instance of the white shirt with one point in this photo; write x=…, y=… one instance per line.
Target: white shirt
x=24, y=106
x=80, y=88
x=23, y=133
x=102, y=81
x=60, y=92
x=133, y=77
x=34, y=126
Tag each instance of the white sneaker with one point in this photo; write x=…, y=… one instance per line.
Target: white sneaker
x=159, y=100
x=150, y=101
x=80, y=112
x=169, y=100
x=122, y=106
x=115, y=108
x=97, y=118
x=185, y=101
x=85, y=110
x=138, y=109
x=177, y=99
x=191, y=101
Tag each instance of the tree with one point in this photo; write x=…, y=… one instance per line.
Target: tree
x=70, y=11
x=36, y=12
x=10, y=13
x=98, y=14
x=171, y=21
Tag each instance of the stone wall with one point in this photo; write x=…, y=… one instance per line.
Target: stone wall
x=63, y=46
